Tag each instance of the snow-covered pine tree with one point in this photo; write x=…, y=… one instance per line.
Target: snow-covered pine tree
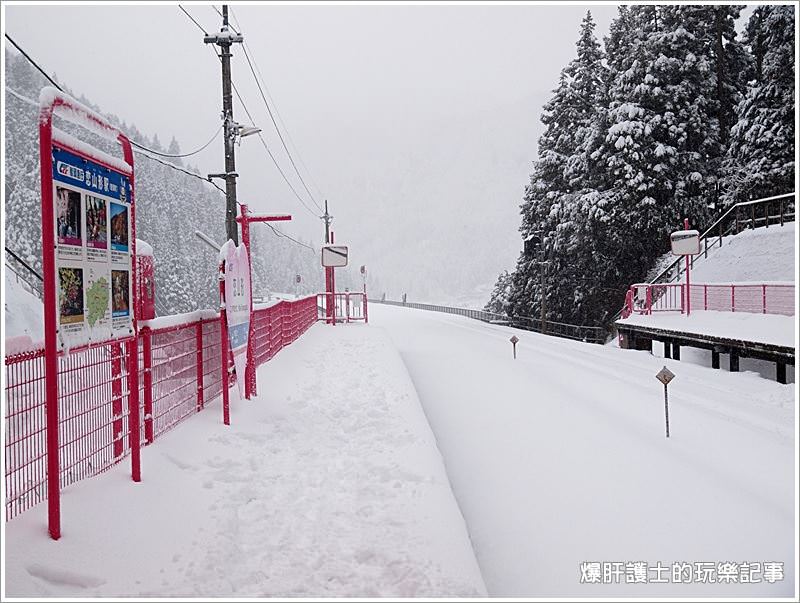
x=662, y=143
x=498, y=301
x=761, y=156
x=558, y=172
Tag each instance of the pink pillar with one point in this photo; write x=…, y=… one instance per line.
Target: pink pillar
x=688, y=286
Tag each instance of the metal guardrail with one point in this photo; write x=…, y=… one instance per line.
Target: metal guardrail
x=556, y=329
x=27, y=276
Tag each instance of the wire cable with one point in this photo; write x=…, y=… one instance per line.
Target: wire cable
x=193, y=19
x=278, y=113
x=284, y=235
x=133, y=142
x=252, y=122
x=280, y=119
x=160, y=154
x=274, y=123
x=34, y=63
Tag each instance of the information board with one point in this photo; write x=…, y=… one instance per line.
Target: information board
x=93, y=250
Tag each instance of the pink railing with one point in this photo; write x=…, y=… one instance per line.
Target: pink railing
x=754, y=298
x=350, y=305
x=179, y=373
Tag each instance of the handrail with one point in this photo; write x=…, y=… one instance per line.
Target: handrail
x=719, y=221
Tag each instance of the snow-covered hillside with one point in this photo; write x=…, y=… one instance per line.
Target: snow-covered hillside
x=759, y=255
x=23, y=310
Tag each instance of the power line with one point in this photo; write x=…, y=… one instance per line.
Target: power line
x=252, y=122
x=256, y=71
x=180, y=169
x=133, y=142
x=229, y=25
x=193, y=19
x=284, y=235
x=280, y=117
x=272, y=117
x=34, y=63
x=142, y=148
x=160, y=154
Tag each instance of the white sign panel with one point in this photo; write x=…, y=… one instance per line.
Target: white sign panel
x=685, y=242
x=334, y=256
x=237, y=305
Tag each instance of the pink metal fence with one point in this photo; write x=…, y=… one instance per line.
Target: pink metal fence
x=349, y=305
x=179, y=373
x=754, y=298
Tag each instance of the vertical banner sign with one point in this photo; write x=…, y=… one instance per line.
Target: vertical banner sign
x=237, y=307
x=93, y=260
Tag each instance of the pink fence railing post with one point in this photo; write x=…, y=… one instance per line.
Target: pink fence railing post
x=147, y=378
x=763, y=299
x=116, y=399
x=132, y=346
x=705, y=297
x=733, y=298
x=199, y=344
x=648, y=300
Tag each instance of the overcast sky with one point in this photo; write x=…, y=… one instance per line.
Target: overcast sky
x=417, y=123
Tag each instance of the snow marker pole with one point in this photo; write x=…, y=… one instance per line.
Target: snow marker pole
x=666, y=408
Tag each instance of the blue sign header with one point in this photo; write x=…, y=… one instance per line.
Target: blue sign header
x=72, y=169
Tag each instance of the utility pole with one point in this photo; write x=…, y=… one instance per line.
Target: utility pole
x=543, y=269
x=330, y=285
x=328, y=219
x=224, y=39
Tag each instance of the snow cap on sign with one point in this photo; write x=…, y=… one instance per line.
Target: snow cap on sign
x=143, y=248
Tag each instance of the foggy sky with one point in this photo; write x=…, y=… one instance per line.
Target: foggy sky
x=417, y=123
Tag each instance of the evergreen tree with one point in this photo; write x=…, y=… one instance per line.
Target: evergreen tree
x=568, y=118
x=498, y=301
x=761, y=157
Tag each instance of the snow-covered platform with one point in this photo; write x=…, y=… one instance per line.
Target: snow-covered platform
x=740, y=334
x=329, y=484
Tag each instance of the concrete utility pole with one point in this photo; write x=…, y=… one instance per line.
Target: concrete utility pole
x=328, y=219
x=330, y=284
x=224, y=39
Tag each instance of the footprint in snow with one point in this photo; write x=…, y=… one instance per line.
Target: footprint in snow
x=63, y=577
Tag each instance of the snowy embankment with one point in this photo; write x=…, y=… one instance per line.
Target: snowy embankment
x=329, y=484
x=761, y=255
x=559, y=457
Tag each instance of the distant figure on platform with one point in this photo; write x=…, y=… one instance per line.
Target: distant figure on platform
x=404, y=298
x=383, y=297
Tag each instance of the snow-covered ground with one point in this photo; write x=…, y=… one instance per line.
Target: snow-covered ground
x=329, y=484
x=772, y=329
x=22, y=310
x=760, y=255
x=559, y=457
